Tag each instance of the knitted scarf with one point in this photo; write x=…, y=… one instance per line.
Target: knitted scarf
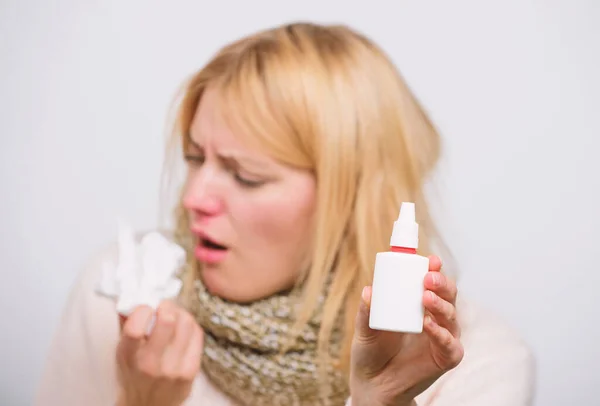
x=243, y=357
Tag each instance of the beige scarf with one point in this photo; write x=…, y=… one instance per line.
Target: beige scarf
x=243, y=358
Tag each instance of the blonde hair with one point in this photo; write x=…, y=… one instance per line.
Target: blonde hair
x=326, y=99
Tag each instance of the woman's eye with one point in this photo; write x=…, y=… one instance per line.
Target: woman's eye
x=251, y=183
x=194, y=159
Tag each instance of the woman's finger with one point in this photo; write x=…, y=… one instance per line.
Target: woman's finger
x=174, y=354
x=448, y=349
x=435, y=263
x=442, y=285
x=133, y=332
x=122, y=320
x=190, y=364
x=442, y=311
x=164, y=329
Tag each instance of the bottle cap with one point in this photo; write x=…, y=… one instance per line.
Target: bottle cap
x=405, y=233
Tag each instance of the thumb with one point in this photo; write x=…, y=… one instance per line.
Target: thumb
x=367, y=356
x=371, y=349
x=363, y=333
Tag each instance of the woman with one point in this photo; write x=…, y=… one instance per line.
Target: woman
x=301, y=142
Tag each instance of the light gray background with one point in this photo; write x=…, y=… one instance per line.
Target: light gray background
x=512, y=84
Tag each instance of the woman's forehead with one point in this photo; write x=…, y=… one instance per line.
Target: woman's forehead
x=209, y=131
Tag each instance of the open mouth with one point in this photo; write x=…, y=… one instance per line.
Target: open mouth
x=206, y=243
x=208, y=251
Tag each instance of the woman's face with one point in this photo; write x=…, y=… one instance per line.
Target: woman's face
x=251, y=214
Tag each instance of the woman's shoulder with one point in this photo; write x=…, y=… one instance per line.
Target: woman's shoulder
x=483, y=329
x=498, y=367
x=80, y=366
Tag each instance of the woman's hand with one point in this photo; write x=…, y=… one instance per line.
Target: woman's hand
x=158, y=369
x=390, y=368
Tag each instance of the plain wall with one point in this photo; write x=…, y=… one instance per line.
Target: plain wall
x=512, y=85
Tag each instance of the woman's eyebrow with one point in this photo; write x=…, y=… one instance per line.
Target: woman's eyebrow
x=236, y=158
x=244, y=160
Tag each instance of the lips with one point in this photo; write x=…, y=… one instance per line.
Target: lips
x=209, y=250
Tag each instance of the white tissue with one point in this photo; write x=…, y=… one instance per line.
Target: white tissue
x=145, y=273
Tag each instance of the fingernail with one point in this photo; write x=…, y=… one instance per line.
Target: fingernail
x=365, y=295
x=151, y=324
x=428, y=320
x=432, y=296
x=435, y=278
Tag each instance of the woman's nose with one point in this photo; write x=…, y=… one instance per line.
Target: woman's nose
x=201, y=194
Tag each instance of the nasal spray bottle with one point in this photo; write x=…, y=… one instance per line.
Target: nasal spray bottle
x=397, y=295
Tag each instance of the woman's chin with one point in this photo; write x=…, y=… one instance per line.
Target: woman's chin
x=232, y=289
x=212, y=280
x=218, y=284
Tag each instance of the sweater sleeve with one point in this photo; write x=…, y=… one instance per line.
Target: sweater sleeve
x=498, y=368
x=80, y=368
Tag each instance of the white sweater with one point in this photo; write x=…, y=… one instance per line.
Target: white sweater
x=498, y=368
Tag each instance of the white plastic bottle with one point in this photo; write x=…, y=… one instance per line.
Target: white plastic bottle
x=397, y=295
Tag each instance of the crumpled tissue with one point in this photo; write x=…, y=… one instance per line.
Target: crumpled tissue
x=145, y=273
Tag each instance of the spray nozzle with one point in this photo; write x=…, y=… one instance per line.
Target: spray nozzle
x=407, y=212
x=406, y=230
